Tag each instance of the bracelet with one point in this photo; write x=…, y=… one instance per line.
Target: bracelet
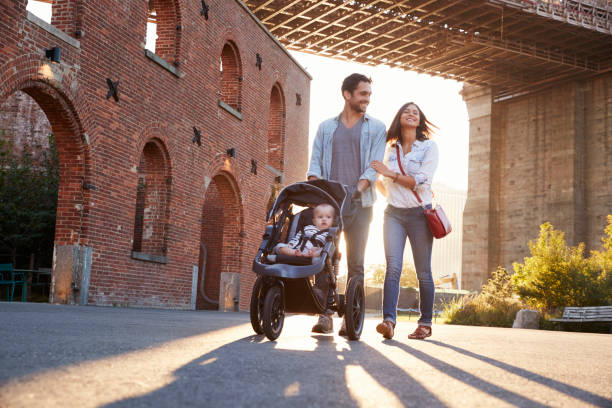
x=395, y=178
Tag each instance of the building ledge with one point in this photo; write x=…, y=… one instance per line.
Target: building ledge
x=164, y=64
x=274, y=170
x=142, y=256
x=230, y=109
x=56, y=32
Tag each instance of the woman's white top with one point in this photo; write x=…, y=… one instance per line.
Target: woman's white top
x=421, y=163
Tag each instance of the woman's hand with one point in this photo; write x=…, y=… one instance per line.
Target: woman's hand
x=382, y=169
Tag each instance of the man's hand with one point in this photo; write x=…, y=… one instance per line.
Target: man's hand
x=362, y=185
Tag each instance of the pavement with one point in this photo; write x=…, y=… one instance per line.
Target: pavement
x=86, y=356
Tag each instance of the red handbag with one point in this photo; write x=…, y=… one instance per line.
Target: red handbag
x=438, y=222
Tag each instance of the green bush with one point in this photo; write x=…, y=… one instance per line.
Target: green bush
x=495, y=305
x=556, y=275
x=376, y=274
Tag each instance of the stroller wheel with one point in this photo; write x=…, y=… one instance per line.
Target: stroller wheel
x=354, y=308
x=257, y=306
x=273, y=313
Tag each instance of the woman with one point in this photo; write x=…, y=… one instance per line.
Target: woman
x=408, y=140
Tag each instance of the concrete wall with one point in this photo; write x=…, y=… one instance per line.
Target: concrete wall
x=542, y=157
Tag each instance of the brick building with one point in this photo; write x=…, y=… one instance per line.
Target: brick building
x=180, y=165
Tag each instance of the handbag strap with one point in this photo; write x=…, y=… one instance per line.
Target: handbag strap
x=399, y=163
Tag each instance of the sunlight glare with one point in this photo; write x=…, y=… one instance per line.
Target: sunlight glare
x=292, y=390
x=210, y=360
x=297, y=344
x=367, y=391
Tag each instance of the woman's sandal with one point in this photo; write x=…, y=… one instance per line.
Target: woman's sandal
x=386, y=328
x=420, y=333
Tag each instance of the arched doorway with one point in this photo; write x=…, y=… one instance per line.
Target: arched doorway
x=220, y=239
x=41, y=135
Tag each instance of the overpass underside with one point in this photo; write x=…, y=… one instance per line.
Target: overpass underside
x=538, y=77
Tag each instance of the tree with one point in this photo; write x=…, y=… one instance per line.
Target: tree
x=556, y=275
x=29, y=183
x=376, y=273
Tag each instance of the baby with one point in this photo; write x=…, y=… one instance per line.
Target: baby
x=310, y=240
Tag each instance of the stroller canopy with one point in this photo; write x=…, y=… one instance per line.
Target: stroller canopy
x=311, y=192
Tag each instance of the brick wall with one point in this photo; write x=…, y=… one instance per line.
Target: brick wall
x=101, y=142
x=23, y=122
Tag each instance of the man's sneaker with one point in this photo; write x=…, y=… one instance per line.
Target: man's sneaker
x=342, y=331
x=325, y=325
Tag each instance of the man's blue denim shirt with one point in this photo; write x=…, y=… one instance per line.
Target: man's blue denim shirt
x=372, y=147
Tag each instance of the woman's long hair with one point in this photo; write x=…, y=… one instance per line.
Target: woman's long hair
x=423, y=131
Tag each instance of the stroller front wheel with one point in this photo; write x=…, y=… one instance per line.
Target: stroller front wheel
x=354, y=308
x=273, y=313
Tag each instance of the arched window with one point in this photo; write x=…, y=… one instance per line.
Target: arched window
x=276, y=128
x=42, y=9
x=231, y=77
x=163, y=30
x=152, y=201
x=59, y=13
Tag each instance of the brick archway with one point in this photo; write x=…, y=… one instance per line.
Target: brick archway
x=221, y=237
x=72, y=201
x=74, y=195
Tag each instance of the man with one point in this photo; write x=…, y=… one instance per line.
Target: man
x=342, y=151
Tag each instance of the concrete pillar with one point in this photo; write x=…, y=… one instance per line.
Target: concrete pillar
x=480, y=217
x=71, y=273
x=229, y=292
x=527, y=165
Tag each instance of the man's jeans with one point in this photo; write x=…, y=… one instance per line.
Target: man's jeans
x=356, y=237
x=399, y=224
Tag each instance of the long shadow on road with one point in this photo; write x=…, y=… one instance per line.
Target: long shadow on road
x=469, y=378
x=567, y=389
x=255, y=372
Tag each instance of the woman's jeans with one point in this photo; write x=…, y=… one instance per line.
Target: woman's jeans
x=399, y=224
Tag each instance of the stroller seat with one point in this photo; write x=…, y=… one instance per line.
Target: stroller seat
x=299, y=221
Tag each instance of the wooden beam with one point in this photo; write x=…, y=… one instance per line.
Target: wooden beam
x=360, y=22
x=280, y=10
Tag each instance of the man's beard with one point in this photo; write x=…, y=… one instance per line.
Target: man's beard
x=357, y=107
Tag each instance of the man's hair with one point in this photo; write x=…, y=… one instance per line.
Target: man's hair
x=351, y=82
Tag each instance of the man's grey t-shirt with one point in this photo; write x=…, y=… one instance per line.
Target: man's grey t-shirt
x=346, y=157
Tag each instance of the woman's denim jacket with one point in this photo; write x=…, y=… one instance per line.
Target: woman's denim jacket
x=372, y=147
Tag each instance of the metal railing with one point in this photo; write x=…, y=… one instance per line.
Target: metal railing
x=591, y=14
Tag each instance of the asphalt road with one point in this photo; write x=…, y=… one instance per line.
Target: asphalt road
x=71, y=356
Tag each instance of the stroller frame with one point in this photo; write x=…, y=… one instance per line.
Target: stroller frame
x=285, y=286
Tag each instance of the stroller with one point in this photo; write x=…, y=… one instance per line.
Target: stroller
x=285, y=283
